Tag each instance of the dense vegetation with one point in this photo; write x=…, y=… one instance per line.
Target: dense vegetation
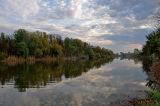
x=155, y=95
x=151, y=62
x=152, y=46
x=40, y=44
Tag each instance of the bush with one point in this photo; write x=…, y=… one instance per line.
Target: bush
x=2, y=55
x=155, y=95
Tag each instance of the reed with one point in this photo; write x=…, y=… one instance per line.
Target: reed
x=13, y=60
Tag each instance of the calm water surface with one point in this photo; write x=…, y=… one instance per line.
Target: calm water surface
x=83, y=83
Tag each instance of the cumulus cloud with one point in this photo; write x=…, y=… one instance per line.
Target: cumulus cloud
x=21, y=8
x=132, y=46
x=126, y=46
x=107, y=23
x=105, y=42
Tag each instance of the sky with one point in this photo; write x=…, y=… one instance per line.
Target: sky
x=120, y=25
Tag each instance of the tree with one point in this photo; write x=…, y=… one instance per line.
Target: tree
x=38, y=52
x=4, y=43
x=56, y=49
x=38, y=44
x=22, y=49
x=68, y=46
x=21, y=35
x=89, y=51
x=137, y=52
x=152, y=46
x=2, y=55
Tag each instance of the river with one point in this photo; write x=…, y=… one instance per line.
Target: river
x=77, y=83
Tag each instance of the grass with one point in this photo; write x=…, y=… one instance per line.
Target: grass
x=155, y=95
x=13, y=60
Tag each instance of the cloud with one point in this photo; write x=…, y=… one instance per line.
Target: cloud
x=107, y=23
x=125, y=46
x=21, y=8
x=133, y=46
x=105, y=42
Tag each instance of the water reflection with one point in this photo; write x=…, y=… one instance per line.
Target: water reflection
x=37, y=75
x=151, y=68
x=98, y=87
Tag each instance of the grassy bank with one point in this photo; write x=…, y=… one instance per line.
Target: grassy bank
x=12, y=60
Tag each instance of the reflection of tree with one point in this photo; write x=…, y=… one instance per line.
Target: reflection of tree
x=136, y=59
x=152, y=69
x=147, y=63
x=6, y=74
x=39, y=74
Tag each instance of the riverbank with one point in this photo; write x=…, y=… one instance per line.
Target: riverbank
x=13, y=60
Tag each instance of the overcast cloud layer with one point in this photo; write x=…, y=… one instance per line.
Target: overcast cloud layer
x=120, y=25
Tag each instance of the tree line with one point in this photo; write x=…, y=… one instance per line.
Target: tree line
x=130, y=55
x=40, y=44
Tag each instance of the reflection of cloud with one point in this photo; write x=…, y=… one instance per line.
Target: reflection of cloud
x=127, y=64
x=133, y=46
x=111, y=82
x=16, y=99
x=142, y=83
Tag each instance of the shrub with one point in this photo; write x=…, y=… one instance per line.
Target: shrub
x=2, y=55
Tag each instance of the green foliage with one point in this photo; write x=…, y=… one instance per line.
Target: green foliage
x=2, y=55
x=137, y=52
x=38, y=75
x=56, y=49
x=90, y=52
x=38, y=44
x=4, y=42
x=38, y=52
x=70, y=46
x=152, y=46
x=155, y=95
x=20, y=35
x=22, y=49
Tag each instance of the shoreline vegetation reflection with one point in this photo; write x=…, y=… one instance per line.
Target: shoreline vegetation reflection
x=151, y=67
x=40, y=74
